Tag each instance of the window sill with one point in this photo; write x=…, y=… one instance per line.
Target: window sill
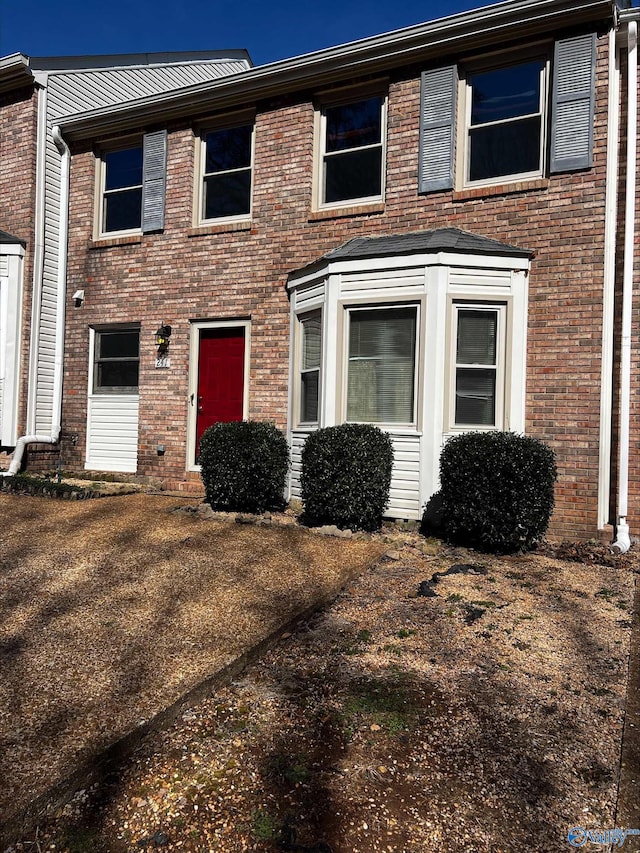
x=342, y=212
x=107, y=242
x=501, y=189
x=219, y=228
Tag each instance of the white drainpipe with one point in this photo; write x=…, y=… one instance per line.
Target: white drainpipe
x=56, y=417
x=623, y=542
x=608, y=295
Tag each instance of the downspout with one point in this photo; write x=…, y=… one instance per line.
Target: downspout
x=56, y=417
x=623, y=542
x=608, y=295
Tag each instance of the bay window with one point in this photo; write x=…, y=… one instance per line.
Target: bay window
x=478, y=365
x=381, y=366
x=310, y=352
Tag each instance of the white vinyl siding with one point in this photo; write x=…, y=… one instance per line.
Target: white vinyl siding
x=112, y=410
x=112, y=433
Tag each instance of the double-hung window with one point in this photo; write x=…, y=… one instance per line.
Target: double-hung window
x=132, y=183
x=226, y=157
x=478, y=365
x=116, y=361
x=310, y=354
x=381, y=365
x=352, y=144
x=518, y=116
x=505, y=127
x=122, y=189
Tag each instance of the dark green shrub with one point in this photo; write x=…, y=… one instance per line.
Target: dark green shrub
x=496, y=490
x=346, y=475
x=244, y=466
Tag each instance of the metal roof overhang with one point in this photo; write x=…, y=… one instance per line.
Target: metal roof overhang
x=424, y=43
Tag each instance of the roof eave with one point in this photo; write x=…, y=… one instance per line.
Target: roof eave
x=15, y=72
x=424, y=42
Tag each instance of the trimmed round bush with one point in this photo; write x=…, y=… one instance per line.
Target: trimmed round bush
x=346, y=475
x=244, y=466
x=496, y=490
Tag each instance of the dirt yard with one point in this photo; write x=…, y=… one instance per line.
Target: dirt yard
x=447, y=700
x=111, y=609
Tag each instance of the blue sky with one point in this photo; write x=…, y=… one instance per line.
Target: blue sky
x=269, y=31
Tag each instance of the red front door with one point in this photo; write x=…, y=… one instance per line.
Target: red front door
x=220, y=378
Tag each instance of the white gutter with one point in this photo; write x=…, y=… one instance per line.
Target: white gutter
x=623, y=542
x=419, y=43
x=608, y=289
x=56, y=416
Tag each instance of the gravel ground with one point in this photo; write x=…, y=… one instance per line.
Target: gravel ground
x=445, y=701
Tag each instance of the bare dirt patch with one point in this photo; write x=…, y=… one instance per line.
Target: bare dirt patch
x=112, y=609
x=484, y=716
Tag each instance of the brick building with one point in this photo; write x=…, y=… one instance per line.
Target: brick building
x=34, y=93
x=431, y=230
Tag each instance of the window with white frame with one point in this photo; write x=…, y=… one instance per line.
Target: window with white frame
x=381, y=365
x=310, y=354
x=226, y=157
x=506, y=108
x=121, y=188
x=478, y=342
x=352, y=141
x=116, y=361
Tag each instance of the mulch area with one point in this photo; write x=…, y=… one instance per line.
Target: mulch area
x=446, y=700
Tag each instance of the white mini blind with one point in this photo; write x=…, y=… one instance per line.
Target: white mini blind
x=381, y=369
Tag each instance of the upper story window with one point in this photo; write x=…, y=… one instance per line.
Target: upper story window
x=505, y=127
x=521, y=116
x=116, y=361
x=352, y=143
x=122, y=189
x=132, y=179
x=226, y=173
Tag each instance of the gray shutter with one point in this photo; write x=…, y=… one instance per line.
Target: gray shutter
x=574, y=71
x=437, y=129
x=153, y=180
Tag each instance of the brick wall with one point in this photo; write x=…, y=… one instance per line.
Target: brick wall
x=176, y=277
x=18, y=120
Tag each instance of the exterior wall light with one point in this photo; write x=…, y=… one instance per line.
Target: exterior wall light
x=162, y=337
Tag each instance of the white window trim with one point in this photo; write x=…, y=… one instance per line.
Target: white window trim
x=100, y=193
x=94, y=332
x=11, y=291
x=245, y=119
x=464, y=126
x=299, y=370
x=392, y=427
x=327, y=102
x=194, y=348
x=503, y=319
